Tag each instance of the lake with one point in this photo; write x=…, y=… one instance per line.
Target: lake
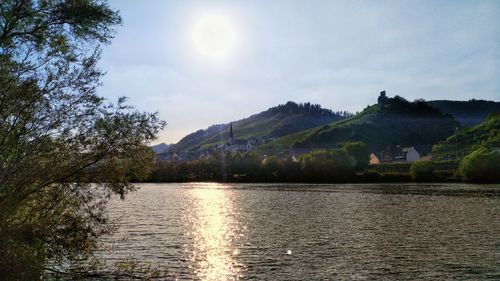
x=209, y=231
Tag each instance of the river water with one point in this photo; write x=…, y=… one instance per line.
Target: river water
x=208, y=231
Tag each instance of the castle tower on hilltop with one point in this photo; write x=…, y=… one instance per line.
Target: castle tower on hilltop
x=382, y=98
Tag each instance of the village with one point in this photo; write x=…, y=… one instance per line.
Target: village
x=392, y=154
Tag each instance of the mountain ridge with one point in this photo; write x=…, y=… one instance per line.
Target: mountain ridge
x=468, y=113
x=395, y=121
x=308, y=126
x=271, y=123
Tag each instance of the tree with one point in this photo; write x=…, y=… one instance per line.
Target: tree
x=359, y=152
x=481, y=165
x=251, y=165
x=57, y=137
x=327, y=165
x=271, y=167
x=422, y=170
x=291, y=170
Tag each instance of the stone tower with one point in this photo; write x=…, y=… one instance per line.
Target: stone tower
x=382, y=98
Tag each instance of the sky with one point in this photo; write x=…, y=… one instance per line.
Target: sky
x=200, y=63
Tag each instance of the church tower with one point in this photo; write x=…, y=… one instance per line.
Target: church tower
x=231, y=136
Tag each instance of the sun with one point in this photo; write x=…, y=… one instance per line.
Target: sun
x=214, y=36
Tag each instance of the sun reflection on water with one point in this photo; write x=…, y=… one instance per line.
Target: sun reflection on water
x=215, y=228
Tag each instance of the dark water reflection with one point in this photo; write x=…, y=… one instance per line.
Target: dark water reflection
x=312, y=232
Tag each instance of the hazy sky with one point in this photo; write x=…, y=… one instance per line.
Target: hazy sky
x=339, y=54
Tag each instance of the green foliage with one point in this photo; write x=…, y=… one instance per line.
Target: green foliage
x=465, y=141
x=63, y=149
x=422, y=170
x=318, y=166
x=359, y=151
x=247, y=165
x=481, y=166
x=277, y=121
x=371, y=176
x=327, y=165
x=271, y=167
x=397, y=121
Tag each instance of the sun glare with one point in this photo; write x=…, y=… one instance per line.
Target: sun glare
x=214, y=36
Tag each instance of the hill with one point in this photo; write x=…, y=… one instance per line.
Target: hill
x=463, y=142
x=468, y=113
x=391, y=121
x=160, y=148
x=275, y=122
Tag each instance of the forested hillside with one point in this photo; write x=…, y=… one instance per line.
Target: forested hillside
x=486, y=134
x=275, y=122
x=468, y=113
x=395, y=121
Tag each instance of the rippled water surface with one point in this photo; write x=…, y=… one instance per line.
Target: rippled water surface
x=206, y=231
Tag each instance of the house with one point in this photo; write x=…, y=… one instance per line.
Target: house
x=391, y=154
x=411, y=154
x=398, y=154
x=289, y=154
x=374, y=159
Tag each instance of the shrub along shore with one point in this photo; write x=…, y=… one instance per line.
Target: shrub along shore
x=347, y=164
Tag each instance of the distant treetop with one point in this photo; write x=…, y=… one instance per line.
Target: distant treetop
x=308, y=107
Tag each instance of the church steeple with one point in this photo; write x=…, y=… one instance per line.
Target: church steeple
x=231, y=136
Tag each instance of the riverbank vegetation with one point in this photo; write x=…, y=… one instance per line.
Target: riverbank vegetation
x=346, y=164
x=470, y=154
x=324, y=166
